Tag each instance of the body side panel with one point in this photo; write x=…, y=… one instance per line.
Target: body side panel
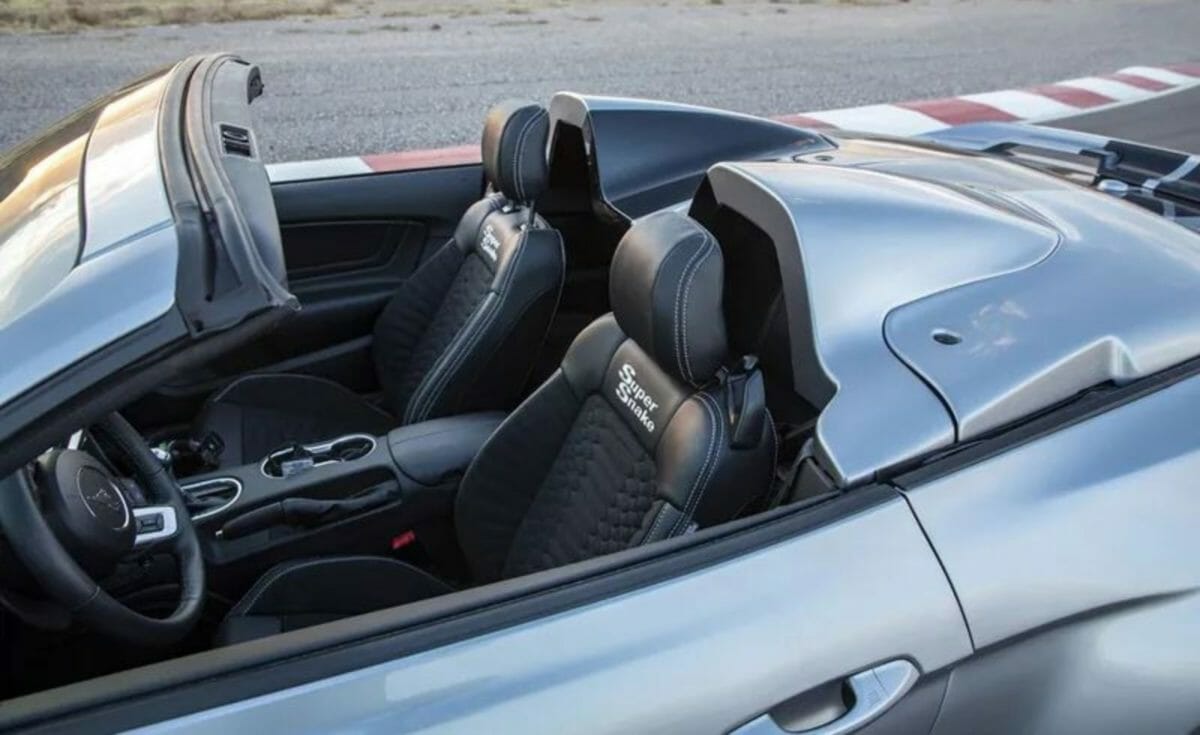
x=699, y=653
x=1073, y=557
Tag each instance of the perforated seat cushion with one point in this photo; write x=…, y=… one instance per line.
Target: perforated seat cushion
x=593, y=500
x=421, y=320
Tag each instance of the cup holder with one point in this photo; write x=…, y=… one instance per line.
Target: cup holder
x=303, y=457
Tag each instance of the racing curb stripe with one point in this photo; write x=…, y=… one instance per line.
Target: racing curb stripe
x=1137, y=80
x=959, y=110
x=1191, y=68
x=1073, y=96
x=1038, y=103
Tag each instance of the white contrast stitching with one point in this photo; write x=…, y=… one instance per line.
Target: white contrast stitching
x=477, y=334
x=447, y=350
x=505, y=289
x=709, y=242
x=657, y=520
x=696, y=492
x=445, y=364
x=520, y=186
x=538, y=117
x=279, y=572
x=775, y=438
x=679, y=298
x=439, y=364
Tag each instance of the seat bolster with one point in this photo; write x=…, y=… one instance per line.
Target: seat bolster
x=467, y=234
x=703, y=478
x=256, y=413
x=488, y=361
x=308, y=591
x=506, y=474
x=587, y=360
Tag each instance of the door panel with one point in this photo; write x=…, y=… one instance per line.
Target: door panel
x=349, y=244
x=704, y=652
x=1074, y=557
x=360, y=245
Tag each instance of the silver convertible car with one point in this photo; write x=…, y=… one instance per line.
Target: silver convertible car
x=660, y=419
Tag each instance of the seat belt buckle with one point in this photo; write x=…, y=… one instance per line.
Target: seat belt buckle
x=210, y=449
x=745, y=402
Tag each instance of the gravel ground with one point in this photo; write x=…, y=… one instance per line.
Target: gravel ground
x=370, y=84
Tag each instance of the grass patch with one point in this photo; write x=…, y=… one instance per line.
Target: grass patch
x=71, y=15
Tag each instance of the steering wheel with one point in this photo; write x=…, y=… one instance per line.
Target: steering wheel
x=85, y=523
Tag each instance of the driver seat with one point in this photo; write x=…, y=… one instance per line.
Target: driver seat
x=641, y=434
x=461, y=335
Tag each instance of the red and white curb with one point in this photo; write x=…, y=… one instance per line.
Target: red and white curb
x=1036, y=104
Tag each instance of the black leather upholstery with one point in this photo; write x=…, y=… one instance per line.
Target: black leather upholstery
x=514, y=149
x=632, y=439
x=434, y=452
x=666, y=291
x=311, y=591
x=461, y=334
x=258, y=413
x=486, y=332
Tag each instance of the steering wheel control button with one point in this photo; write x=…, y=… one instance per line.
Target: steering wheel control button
x=102, y=498
x=149, y=524
x=155, y=523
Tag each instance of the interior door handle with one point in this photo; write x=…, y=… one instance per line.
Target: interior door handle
x=874, y=691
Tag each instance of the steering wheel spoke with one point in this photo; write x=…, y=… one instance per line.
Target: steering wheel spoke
x=154, y=524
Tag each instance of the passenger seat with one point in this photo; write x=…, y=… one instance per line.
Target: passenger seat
x=460, y=335
x=645, y=432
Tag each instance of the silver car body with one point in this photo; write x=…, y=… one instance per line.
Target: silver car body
x=125, y=275
x=1038, y=577
x=1068, y=555
x=1039, y=283
x=1042, y=585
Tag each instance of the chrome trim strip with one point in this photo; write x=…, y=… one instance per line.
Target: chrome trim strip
x=170, y=524
x=316, y=448
x=216, y=482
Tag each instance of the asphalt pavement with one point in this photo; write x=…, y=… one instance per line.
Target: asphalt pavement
x=349, y=86
x=1169, y=121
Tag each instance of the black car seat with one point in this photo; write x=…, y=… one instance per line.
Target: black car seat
x=640, y=435
x=461, y=334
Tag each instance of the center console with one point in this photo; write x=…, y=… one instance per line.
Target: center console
x=347, y=494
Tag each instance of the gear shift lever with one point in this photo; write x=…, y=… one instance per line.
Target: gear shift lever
x=164, y=457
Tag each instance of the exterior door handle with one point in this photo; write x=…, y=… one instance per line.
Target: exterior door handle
x=874, y=691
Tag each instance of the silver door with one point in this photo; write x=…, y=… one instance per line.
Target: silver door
x=1076, y=558
x=707, y=652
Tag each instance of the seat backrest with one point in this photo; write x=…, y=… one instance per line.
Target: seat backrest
x=463, y=331
x=641, y=434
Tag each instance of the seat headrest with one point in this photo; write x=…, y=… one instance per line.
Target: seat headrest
x=665, y=286
x=514, y=149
